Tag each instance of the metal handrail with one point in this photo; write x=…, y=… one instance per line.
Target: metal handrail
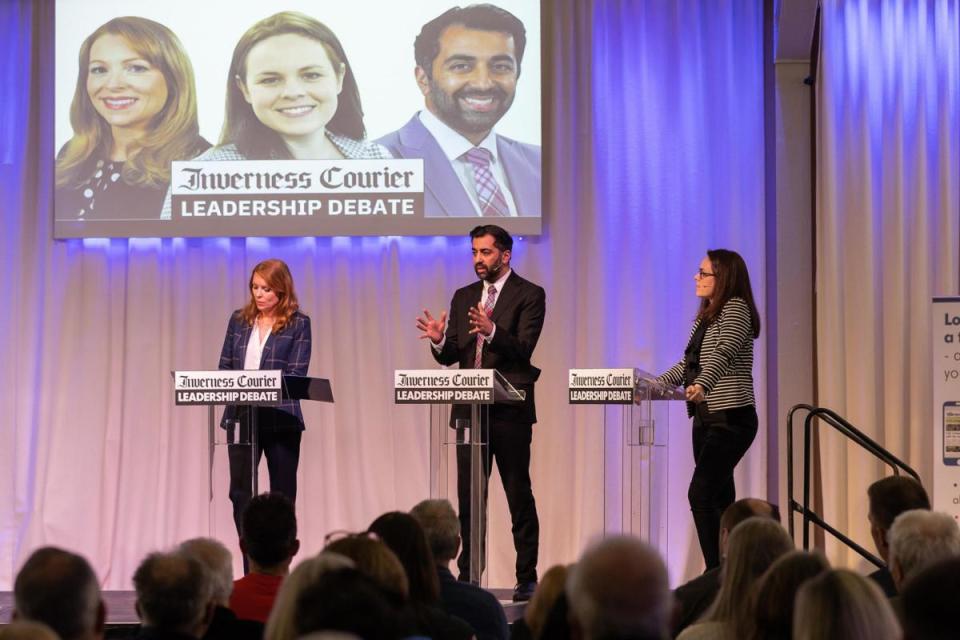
x=841, y=425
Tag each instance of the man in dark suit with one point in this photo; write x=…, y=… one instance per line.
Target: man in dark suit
x=468, y=64
x=495, y=324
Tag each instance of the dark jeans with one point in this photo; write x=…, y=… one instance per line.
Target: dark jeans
x=282, y=449
x=509, y=445
x=720, y=439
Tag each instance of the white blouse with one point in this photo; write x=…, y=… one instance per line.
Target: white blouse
x=255, y=347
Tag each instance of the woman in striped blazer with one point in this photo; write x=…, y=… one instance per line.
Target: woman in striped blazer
x=717, y=374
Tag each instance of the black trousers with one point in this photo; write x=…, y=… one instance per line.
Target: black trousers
x=720, y=439
x=509, y=446
x=282, y=449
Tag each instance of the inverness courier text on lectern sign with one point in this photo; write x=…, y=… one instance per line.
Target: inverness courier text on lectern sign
x=228, y=387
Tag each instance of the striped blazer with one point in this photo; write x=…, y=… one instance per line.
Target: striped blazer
x=726, y=360
x=288, y=350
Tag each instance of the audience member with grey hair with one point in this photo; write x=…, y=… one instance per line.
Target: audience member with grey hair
x=59, y=589
x=218, y=562
x=173, y=596
x=466, y=601
x=918, y=539
x=619, y=589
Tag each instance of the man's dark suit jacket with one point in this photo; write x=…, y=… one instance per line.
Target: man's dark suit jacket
x=444, y=194
x=479, y=608
x=518, y=313
x=695, y=597
x=287, y=349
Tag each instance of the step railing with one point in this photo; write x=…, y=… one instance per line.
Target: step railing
x=839, y=424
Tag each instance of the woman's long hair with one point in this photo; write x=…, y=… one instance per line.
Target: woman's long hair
x=753, y=546
x=277, y=276
x=405, y=537
x=731, y=280
x=173, y=133
x=240, y=124
x=773, y=600
x=843, y=604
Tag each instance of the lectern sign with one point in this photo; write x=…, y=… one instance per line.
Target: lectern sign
x=227, y=387
x=441, y=386
x=601, y=386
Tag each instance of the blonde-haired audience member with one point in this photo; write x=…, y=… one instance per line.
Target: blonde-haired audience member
x=23, y=630
x=754, y=545
x=282, y=623
x=842, y=604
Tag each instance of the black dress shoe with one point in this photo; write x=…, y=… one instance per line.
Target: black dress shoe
x=524, y=591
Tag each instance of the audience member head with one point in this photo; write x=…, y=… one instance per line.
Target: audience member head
x=619, y=589
x=269, y=534
x=754, y=545
x=282, y=623
x=442, y=528
x=740, y=511
x=404, y=536
x=842, y=604
x=545, y=597
x=173, y=594
x=889, y=498
x=931, y=601
x=375, y=560
x=24, y=630
x=218, y=562
x=918, y=539
x=59, y=589
x=773, y=600
x=346, y=600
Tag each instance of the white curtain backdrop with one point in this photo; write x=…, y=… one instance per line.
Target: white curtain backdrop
x=653, y=153
x=888, y=229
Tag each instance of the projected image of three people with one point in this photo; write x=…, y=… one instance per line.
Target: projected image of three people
x=291, y=94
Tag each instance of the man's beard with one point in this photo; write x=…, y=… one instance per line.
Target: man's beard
x=466, y=121
x=493, y=272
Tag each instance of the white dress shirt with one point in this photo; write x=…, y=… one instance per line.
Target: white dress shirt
x=455, y=145
x=498, y=285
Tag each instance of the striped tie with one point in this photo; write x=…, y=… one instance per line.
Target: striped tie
x=492, y=200
x=487, y=309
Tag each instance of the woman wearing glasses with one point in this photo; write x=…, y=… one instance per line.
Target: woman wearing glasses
x=716, y=372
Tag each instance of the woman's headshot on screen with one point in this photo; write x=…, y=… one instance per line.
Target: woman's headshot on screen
x=134, y=110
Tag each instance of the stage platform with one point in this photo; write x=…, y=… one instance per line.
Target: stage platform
x=122, y=619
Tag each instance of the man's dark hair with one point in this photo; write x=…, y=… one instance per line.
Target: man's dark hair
x=173, y=591
x=930, y=601
x=501, y=239
x=892, y=496
x=269, y=529
x=59, y=589
x=748, y=508
x=482, y=17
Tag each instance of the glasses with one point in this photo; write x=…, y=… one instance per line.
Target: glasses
x=340, y=534
x=703, y=274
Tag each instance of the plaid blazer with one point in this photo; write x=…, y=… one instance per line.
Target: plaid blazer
x=288, y=350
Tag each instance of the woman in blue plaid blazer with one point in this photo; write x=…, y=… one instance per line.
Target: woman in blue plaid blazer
x=268, y=333
x=717, y=373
